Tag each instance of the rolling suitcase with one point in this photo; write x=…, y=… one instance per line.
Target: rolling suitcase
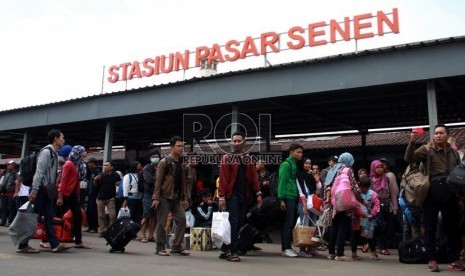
x=120, y=233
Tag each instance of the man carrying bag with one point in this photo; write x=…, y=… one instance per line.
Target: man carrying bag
x=441, y=158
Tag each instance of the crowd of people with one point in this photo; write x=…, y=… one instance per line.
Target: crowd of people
x=158, y=194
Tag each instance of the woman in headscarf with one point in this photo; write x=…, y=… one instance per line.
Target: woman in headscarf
x=306, y=185
x=381, y=186
x=69, y=188
x=342, y=221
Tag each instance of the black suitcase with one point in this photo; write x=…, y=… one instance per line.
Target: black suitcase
x=247, y=236
x=120, y=233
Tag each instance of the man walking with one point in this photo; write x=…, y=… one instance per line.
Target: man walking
x=44, y=191
x=238, y=177
x=171, y=195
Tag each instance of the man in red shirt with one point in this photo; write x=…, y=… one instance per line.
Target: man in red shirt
x=69, y=189
x=238, y=178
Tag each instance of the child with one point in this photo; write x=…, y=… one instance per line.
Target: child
x=369, y=212
x=204, y=214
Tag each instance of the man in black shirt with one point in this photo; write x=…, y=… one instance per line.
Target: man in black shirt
x=105, y=187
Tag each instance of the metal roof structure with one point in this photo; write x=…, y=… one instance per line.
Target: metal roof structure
x=371, y=89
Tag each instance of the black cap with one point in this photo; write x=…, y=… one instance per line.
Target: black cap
x=384, y=160
x=333, y=158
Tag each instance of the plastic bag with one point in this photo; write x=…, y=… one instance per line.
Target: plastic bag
x=24, y=225
x=190, y=219
x=221, y=229
x=124, y=212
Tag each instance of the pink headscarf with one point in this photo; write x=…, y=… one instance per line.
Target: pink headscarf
x=380, y=182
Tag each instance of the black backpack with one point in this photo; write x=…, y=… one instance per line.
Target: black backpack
x=28, y=166
x=273, y=179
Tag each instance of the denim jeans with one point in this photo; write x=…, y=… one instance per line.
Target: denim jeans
x=237, y=208
x=313, y=217
x=340, y=230
x=91, y=212
x=45, y=206
x=288, y=223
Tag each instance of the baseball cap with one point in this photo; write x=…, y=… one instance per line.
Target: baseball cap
x=12, y=162
x=334, y=158
x=384, y=160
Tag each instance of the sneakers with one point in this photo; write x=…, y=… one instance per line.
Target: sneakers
x=433, y=266
x=456, y=266
x=290, y=253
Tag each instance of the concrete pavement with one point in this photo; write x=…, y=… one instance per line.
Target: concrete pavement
x=139, y=259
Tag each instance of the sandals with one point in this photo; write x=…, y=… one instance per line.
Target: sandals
x=385, y=252
x=233, y=258
x=375, y=256
x=81, y=246
x=152, y=239
x=181, y=252
x=224, y=255
x=44, y=245
x=163, y=253
x=28, y=250
x=356, y=257
x=144, y=240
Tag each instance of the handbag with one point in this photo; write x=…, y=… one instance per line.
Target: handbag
x=24, y=225
x=456, y=180
x=415, y=184
x=221, y=229
x=315, y=204
x=124, y=212
x=302, y=234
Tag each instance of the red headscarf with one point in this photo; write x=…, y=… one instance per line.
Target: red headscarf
x=380, y=182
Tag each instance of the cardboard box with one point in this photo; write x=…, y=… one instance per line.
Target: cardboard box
x=201, y=239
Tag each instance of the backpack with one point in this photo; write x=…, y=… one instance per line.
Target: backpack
x=415, y=185
x=342, y=196
x=273, y=179
x=119, y=192
x=28, y=166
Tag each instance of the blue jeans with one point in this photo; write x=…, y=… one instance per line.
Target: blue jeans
x=237, y=209
x=288, y=223
x=45, y=206
x=91, y=212
x=312, y=216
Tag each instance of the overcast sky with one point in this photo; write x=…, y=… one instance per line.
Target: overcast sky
x=55, y=50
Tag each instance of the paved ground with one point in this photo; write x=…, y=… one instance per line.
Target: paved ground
x=139, y=259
